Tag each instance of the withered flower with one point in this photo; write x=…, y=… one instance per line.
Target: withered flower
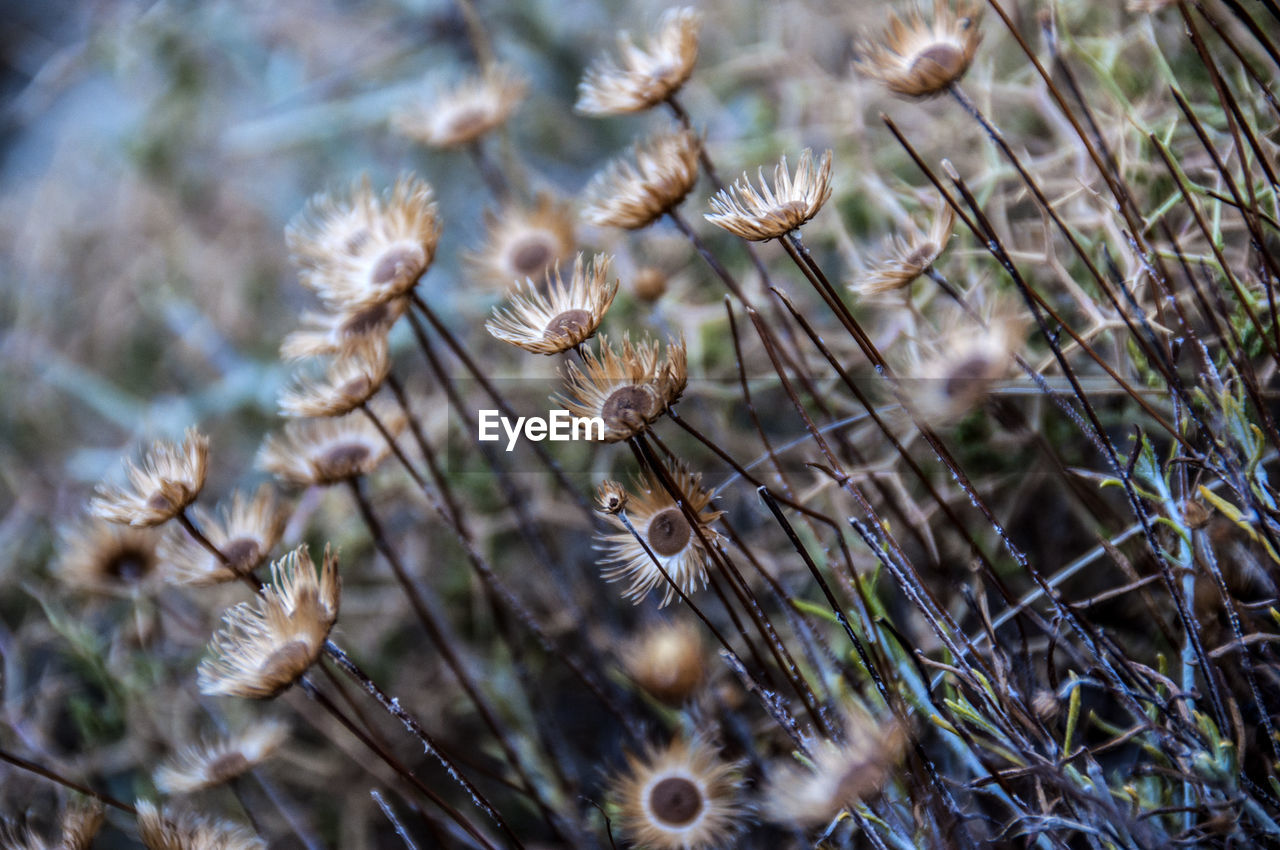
x=463, y=114
x=352, y=377
x=337, y=331
x=949, y=374
x=563, y=317
x=329, y=451
x=264, y=646
x=628, y=389
x=170, y=830
x=683, y=797
x=915, y=58
x=214, y=762
x=666, y=531
x=771, y=214
x=905, y=259
x=169, y=478
x=78, y=825
x=364, y=250
x=632, y=197
x=245, y=531
x=667, y=661
x=524, y=244
x=643, y=76
x=100, y=555
x=841, y=775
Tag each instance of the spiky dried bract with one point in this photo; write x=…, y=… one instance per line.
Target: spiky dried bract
x=169, y=478
x=919, y=58
x=632, y=197
x=666, y=531
x=466, y=112
x=333, y=332
x=244, y=530
x=352, y=377
x=264, y=646
x=683, y=797
x=627, y=389
x=906, y=258
x=169, y=830
x=840, y=775
x=561, y=318
x=950, y=373
x=214, y=762
x=667, y=661
x=522, y=243
x=643, y=76
x=362, y=250
x=98, y=555
x=770, y=214
x=329, y=451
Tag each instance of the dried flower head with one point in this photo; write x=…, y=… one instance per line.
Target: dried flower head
x=905, y=259
x=683, y=797
x=264, y=646
x=169, y=478
x=643, y=77
x=632, y=197
x=765, y=214
x=840, y=775
x=522, y=243
x=667, y=661
x=667, y=533
x=364, y=250
x=333, y=332
x=78, y=825
x=611, y=497
x=916, y=58
x=561, y=319
x=351, y=379
x=463, y=114
x=649, y=283
x=170, y=830
x=329, y=451
x=949, y=374
x=245, y=530
x=628, y=389
x=210, y=763
x=103, y=556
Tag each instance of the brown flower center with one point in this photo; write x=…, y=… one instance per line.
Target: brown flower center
x=284, y=666
x=128, y=565
x=227, y=766
x=921, y=258
x=242, y=554
x=569, y=324
x=365, y=321
x=531, y=255
x=342, y=459
x=627, y=408
x=969, y=377
x=938, y=65
x=160, y=501
x=399, y=264
x=465, y=124
x=675, y=801
x=359, y=387
x=669, y=532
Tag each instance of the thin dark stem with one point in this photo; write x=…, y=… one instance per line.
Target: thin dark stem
x=395, y=764
x=414, y=728
x=39, y=770
x=199, y=537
